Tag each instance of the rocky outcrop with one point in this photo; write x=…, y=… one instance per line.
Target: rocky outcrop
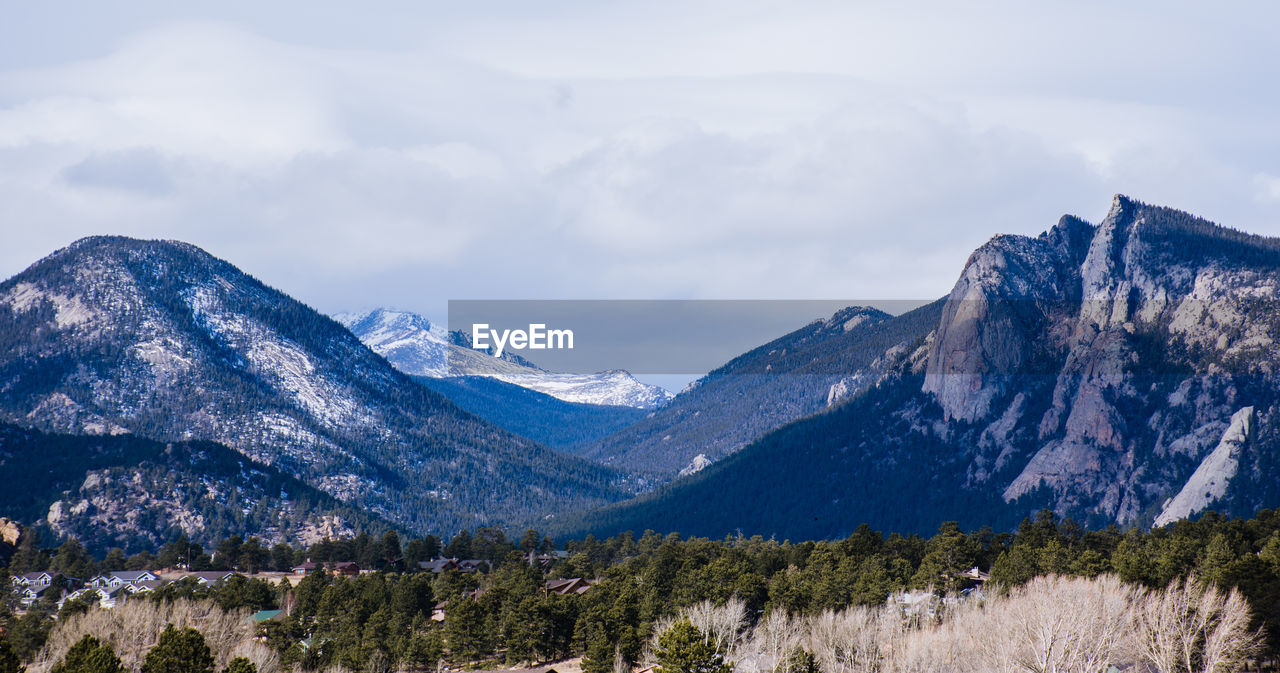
x=1115, y=328
x=10, y=531
x=1104, y=372
x=1010, y=288
x=1210, y=480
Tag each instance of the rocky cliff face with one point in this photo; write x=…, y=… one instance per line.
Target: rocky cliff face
x=1095, y=356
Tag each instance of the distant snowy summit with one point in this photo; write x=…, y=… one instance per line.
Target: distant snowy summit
x=407, y=340
x=416, y=347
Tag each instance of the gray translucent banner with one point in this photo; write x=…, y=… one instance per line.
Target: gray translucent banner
x=654, y=337
x=981, y=337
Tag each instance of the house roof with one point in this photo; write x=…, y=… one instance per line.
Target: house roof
x=572, y=585
x=438, y=565
x=131, y=575
x=265, y=615
x=37, y=589
x=208, y=576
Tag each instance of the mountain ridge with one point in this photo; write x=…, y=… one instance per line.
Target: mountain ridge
x=1091, y=370
x=163, y=340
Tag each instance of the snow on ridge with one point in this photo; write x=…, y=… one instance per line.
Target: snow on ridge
x=1209, y=482
x=410, y=342
x=418, y=347
x=614, y=388
x=287, y=366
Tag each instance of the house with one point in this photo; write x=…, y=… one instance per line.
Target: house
x=437, y=612
x=345, y=569
x=975, y=575
x=131, y=576
x=438, y=565
x=78, y=594
x=32, y=593
x=43, y=577
x=304, y=568
x=210, y=578
x=470, y=565
x=575, y=586
x=108, y=597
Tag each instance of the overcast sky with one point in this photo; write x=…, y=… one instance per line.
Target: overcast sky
x=407, y=153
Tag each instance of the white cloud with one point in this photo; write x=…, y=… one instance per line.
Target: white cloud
x=720, y=150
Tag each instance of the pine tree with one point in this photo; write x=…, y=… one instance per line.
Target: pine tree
x=240, y=665
x=90, y=655
x=799, y=660
x=73, y=560
x=684, y=649
x=182, y=651
x=9, y=661
x=599, y=655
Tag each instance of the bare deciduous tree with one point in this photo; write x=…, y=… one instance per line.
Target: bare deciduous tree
x=1191, y=627
x=1050, y=625
x=134, y=627
x=722, y=625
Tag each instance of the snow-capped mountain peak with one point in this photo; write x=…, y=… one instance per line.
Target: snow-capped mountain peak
x=407, y=340
x=416, y=347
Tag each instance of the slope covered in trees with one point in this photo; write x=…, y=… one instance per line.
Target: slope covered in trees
x=566, y=426
x=790, y=377
x=137, y=494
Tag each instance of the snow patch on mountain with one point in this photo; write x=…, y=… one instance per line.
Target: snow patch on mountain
x=407, y=340
x=415, y=346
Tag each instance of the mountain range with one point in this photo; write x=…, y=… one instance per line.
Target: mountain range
x=161, y=340
x=1118, y=373
x=791, y=377
x=1123, y=372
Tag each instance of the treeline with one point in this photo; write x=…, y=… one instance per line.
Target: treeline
x=386, y=553
x=227, y=492
x=409, y=619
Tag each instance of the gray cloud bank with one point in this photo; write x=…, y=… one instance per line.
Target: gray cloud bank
x=412, y=153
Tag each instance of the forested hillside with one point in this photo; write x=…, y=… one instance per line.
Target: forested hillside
x=790, y=377
x=137, y=494
x=566, y=426
x=504, y=614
